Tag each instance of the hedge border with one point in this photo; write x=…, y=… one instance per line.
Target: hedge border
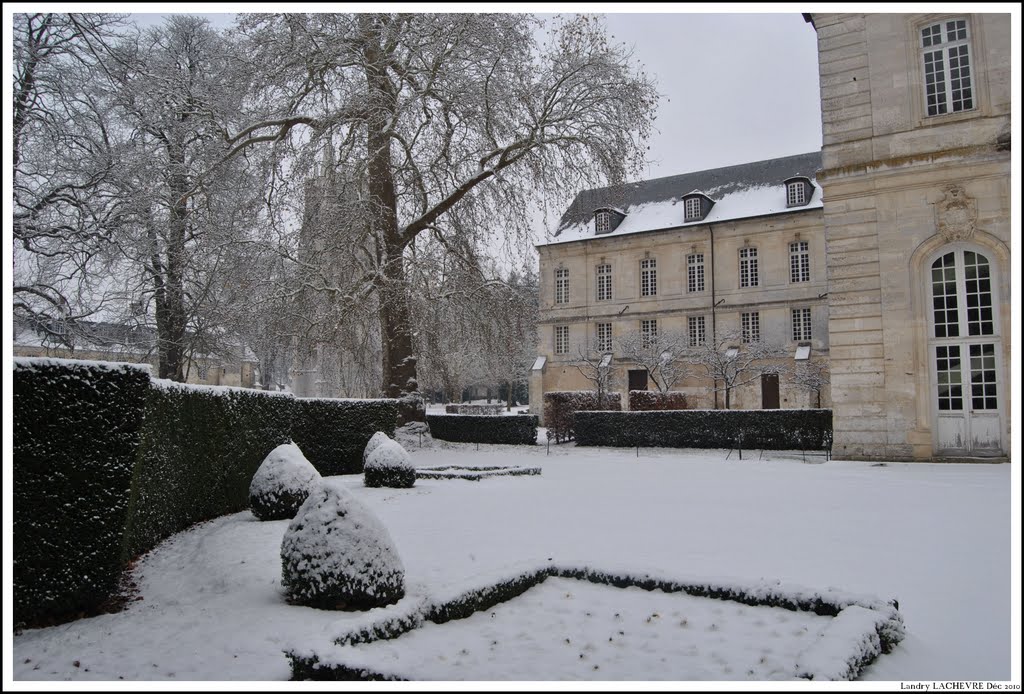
x=761, y=429
x=887, y=621
x=516, y=429
x=438, y=473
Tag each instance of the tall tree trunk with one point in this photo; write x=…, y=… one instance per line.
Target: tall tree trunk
x=172, y=336
x=398, y=362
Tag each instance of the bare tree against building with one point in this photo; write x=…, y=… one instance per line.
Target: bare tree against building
x=810, y=376
x=664, y=354
x=730, y=363
x=595, y=364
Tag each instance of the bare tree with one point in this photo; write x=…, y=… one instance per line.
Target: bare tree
x=665, y=355
x=510, y=314
x=734, y=363
x=595, y=365
x=455, y=123
x=811, y=377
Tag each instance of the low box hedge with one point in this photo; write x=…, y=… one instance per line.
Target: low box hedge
x=762, y=429
x=480, y=428
x=474, y=409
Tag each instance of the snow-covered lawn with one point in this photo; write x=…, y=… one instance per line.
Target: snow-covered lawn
x=935, y=537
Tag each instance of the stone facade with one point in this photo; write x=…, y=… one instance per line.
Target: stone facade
x=578, y=251
x=905, y=193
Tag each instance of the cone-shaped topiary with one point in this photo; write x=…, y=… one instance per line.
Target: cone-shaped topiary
x=337, y=555
x=388, y=465
x=282, y=482
x=371, y=445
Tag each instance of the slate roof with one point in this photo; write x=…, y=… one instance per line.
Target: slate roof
x=744, y=190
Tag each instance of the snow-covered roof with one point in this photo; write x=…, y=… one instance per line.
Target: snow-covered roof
x=746, y=190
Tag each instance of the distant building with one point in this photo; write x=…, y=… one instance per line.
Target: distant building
x=887, y=253
x=231, y=366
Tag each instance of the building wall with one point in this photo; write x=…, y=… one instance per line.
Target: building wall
x=774, y=297
x=889, y=174
x=202, y=371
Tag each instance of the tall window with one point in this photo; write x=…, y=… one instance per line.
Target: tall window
x=946, y=52
x=692, y=209
x=748, y=267
x=648, y=332
x=697, y=335
x=648, y=277
x=750, y=325
x=801, y=324
x=795, y=193
x=604, y=282
x=561, y=285
x=603, y=222
x=695, y=272
x=561, y=339
x=799, y=262
x=604, y=337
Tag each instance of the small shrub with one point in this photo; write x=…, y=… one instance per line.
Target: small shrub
x=377, y=439
x=644, y=400
x=282, y=483
x=388, y=465
x=561, y=405
x=336, y=555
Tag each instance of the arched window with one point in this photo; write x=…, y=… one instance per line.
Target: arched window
x=965, y=353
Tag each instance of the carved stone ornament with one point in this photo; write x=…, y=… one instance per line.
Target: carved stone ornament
x=956, y=214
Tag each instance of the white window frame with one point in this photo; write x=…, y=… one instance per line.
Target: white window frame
x=561, y=339
x=561, y=285
x=604, y=337
x=603, y=222
x=750, y=326
x=649, y=277
x=604, y=282
x=691, y=209
x=696, y=330
x=648, y=331
x=801, y=324
x=940, y=57
x=796, y=193
x=749, y=275
x=695, y=272
x=799, y=261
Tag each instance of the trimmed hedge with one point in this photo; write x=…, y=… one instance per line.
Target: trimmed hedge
x=474, y=409
x=646, y=400
x=482, y=428
x=77, y=428
x=561, y=405
x=334, y=450
x=834, y=658
x=108, y=462
x=765, y=429
x=201, y=448
x=457, y=472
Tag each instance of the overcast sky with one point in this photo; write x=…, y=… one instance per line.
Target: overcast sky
x=735, y=87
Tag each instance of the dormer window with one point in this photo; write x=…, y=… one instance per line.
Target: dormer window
x=696, y=206
x=606, y=219
x=798, y=192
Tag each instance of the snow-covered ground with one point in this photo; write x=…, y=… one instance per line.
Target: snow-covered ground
x=935, y=537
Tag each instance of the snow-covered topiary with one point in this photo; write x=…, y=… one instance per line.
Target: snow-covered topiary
x=375, y=440
x=336, y=554
x=282, y=482
x=388, y=465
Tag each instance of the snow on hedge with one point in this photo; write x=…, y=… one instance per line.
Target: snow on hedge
x=336, y=554
x=387, y=464
x=281, y=484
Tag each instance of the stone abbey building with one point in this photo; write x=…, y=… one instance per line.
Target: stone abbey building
x=885, y=255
